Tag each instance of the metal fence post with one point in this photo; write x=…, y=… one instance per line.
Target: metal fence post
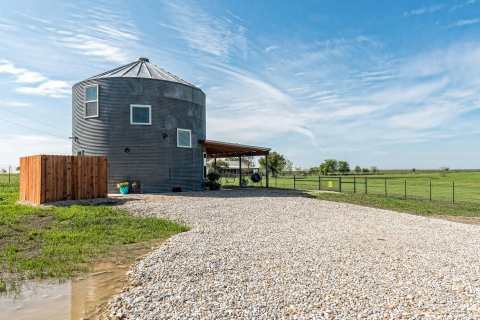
x=319, y=183
x=354, y=185
x=339, y=184
x=9, y=171
x=386, y=193
x=366, y=185
x=453, y=191
x=430, y=195
x=294, y=183
x=405, y=188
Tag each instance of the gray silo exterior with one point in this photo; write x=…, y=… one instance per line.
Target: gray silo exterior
x=141, y=118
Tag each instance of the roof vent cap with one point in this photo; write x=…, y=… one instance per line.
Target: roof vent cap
x=143, y=59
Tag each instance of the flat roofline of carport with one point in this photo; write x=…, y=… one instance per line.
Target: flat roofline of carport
x=220, y=149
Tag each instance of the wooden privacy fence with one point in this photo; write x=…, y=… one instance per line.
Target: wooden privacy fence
x=47, y=178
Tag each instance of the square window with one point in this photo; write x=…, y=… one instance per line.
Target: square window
x=184, y=138
x=140, y=114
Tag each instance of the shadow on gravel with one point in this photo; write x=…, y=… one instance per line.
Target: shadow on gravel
x=226, y=193
x=248, y=192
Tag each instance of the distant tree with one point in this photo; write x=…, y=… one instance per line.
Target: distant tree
x=328, y=166
x=365, y=170
x=4, y=171
x=374, y=169
x=358, y=169
x=445, y=168
x=288, y=165
x=222, y=163
x=414, y=170
x=17, y=169
x=276, y=163
x=314, y=170
x=343, y=167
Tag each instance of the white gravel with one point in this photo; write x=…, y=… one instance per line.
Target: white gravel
x=275, y=255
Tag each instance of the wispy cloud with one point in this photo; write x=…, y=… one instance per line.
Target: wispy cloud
x=14, y=103
x=44, y=86
x=91, y=46
x=217, y=36
x=21, y=75
x=465, y=22
x=424, y=10
x=439, y=7
x=270, y=48
x=49, y=88
x=425, y=118
x=246, y=107
x=463, y=4
x=108, y=35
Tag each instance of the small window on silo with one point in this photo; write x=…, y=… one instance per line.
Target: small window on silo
x=140, y=114
x=91, y=101
x=184, y=138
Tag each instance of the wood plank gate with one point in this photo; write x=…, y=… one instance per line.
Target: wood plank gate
x=47, y=178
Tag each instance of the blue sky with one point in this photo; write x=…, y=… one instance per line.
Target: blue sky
x=393, y=84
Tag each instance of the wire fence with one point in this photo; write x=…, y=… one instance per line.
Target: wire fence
x=421, y=188
x=9, y=182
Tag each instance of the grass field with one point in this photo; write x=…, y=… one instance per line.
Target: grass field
x=40, y=242
x=469, y=211
x=445, y=186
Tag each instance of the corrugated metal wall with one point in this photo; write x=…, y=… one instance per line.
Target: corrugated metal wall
x=154, y=158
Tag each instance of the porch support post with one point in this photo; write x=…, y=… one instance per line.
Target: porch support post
x=240, y=170
x=266, y=170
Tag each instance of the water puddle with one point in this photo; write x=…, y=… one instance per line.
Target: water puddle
x=83, y=297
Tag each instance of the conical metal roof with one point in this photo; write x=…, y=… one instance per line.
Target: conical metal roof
x=142, y=68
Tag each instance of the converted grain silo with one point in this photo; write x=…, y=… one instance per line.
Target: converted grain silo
x=149, y=123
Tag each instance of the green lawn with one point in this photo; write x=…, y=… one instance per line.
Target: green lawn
x=59, y=242
x=415, y=206
x=5, y=178
x=466, y=186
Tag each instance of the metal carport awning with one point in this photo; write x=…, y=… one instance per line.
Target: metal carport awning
x=219, y=149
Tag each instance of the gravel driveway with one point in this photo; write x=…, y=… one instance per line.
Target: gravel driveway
x=256, y=254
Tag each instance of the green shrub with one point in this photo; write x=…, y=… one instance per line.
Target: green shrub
x=213, y=178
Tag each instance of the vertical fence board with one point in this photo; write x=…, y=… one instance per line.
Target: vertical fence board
x=53, y=178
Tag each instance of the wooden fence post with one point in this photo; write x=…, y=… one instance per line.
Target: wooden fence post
x=339, y=184
x=354, y=184
x=294, y=183
x=366, y=185
x=319, y=183
x=405, y=189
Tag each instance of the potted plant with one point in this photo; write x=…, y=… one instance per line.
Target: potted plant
x=123, y=187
